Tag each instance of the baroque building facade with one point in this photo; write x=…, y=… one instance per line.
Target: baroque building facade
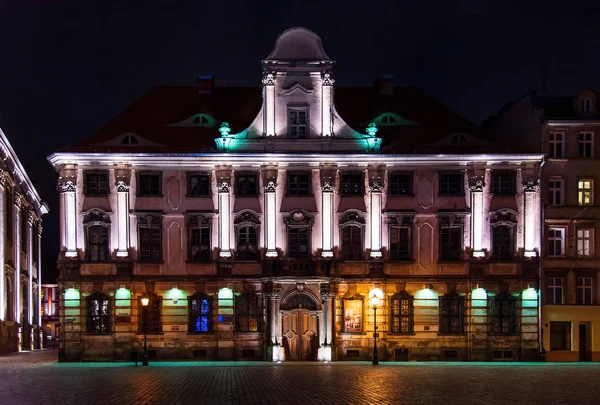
x=21, y=210
x=258, y=226
x=565, y=128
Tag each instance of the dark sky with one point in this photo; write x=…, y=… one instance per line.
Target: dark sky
x=67, y=67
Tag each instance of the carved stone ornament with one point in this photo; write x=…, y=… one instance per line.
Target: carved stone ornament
x=40, y=229
x=20, y=200
x=299, y=217
x=31, y=217
x=476, y=184
x=268, y=78
x=272, y=295
x=328, y=79
x=299, y=300
x=327, y=187
x=452, y=219
x=376, y=186
x=197, y=220
x=247, y=217
x=270, y=187
x=149, y=220
x=531, y=185
x=503, y=216
x=223, y=187
x=4, y=178
x=122, y=186
x=66, y=186
x=96, y=216
x=352, y=216
x=401, y=219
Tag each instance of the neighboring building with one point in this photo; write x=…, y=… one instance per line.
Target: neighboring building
x=566, y=129
x=50, y=302
x=266, y=241
x=21, y=210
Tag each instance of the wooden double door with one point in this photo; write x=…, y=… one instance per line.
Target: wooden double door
x=299, y=327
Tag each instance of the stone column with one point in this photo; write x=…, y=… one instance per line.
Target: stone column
x=39, y=285
x=68, y=210
x=224, y=218
x=477, y=187
x=270, y=189
x=530, y=188
x=326, y=101
x=376, y=189
x=31, y=273
x=268, y=81
x=122, y=187
x=4, y=182
x=325, y=352
x=327, y=192
x=274, y=327
x=19, y=203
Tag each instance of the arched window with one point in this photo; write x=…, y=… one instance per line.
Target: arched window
x=299, y=233
x=504, y=223
x=200, y=313
x=247, y=313
x=402, y=313
x=98, y=313
x=96, y=223
x=452, y=314
x=151, y=314
x=352, y=231
x=247, y=226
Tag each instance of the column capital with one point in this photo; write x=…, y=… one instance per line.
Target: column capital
x=270, y=187
x=20, y=200
x=376, y=186
x=39, y=229
x=4, y=178
x=122, y=185
x=224, y=187
x=328, y=79
x=272, y=295
x=268, y=78
x=531, y=185
x=31, y=217
x=477, y=184
x=327, y=187
x=66, y=186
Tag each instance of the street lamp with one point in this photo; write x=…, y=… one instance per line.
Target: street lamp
x=376, y=297
x=145, y=301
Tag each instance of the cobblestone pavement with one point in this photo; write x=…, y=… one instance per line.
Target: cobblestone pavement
x=36, y=378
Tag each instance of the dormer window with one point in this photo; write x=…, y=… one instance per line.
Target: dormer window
x=586, y=105
x=200, y=120
x=129, y=140
x=388, y=119
x=298, y=122
x=458, y=139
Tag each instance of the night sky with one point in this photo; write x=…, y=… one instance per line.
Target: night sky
x=67, y=67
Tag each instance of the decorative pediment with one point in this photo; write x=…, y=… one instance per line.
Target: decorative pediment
x=401, y=218
x=504, y=216
x=299, y=217
x=298, y=87
x=452, y=218
x=198, y=220
x=352, y=216
x=96, y=216
x=247, y=217
x=197, y=120
x=149, y=219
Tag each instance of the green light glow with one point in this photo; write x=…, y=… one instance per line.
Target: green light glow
x=479, y=297
x=175, y=296
x=224, y=129
x=123, y=301
x=372, y=129
x=530, y=298
x=71, y=297
x=426, y=298
x=226, y=293
x=393, y=120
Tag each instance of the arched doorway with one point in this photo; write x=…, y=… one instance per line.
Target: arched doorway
x=299, y=320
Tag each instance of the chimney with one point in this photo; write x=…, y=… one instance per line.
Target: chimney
x=206, y=84
x=385, y=84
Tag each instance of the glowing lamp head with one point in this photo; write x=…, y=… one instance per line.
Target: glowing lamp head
x=376, y=296
x=145, y=301
x=224, y=129
x=372, y=129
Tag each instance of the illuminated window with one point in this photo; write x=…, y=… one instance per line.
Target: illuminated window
x=555, y=192
x=402, y=313
x=585, y=192
x=199, y=231
x=96, y=224
x=555, y=290
x=298, y=184
x=150, y=237
x=352, y=224
x=96, y=183
x=247, y=313
x=352, y=184
x=149, y=184
x=298, y=122
x=556, y=143
x=151, y=314
x=585, y=242
x=503, y=183
x=246, y=185
x=352, y=309
x=98, y=313
x=400, y=184
x=198, y=185
x=452, y=314
x=584, y=290
x=556, y=242
x=560, y=335
x=200, y=310
x=504, y=319
x=451, y=183
x=586, y=144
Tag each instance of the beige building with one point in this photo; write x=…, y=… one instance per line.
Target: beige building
x=21, y=210
x=258, y=222
x=566, y=130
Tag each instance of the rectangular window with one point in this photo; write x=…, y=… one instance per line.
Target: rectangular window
x=198, y=185
x=402, y=314
x=150, y=244
x=504, y=315
x=585, y=192
x=556, y=143
x=584, y=290
x=151, y=314
x=247, y=243
x=560, y=335
x=556, y=242
x=96, y=183
x=502, y=242
x=451, y=183
x=298, y=184
x=503, y=183
x=353, y=313
x=298, y=122
x=352, y=184
x=452, y=314
x=247, y=313
x=98, y=313
x=352, y=243
x=555, y=192
x=555, y=290
x=585, y=242
x=400, y=184
x=200, y=312
x=400, y=246
x=149, y=184
x=246, y=185
x=199, y=248
x=586, y=144
x=298, y=242
x=451, y=242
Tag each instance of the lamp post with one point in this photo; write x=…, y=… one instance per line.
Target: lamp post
x=145, y=302
x=375, y=295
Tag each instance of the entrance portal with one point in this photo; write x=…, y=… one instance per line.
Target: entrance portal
x=299, y=322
